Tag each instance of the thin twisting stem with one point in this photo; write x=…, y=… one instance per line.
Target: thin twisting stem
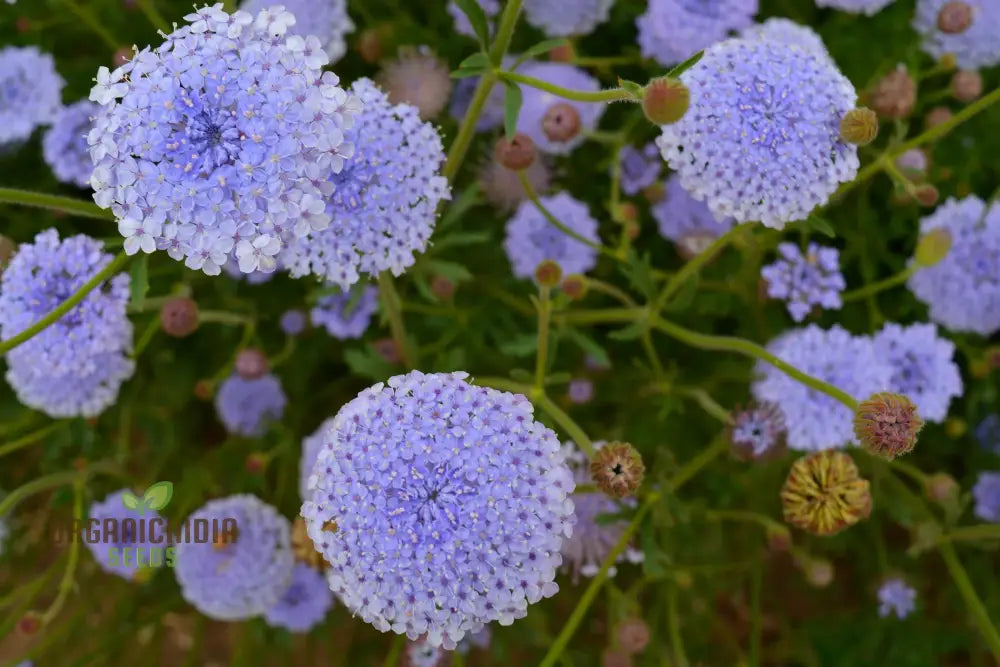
x=881, y=285
x=694, y=265
x=529, y=190
x=610, y=95
x=34, y=436
x=69, y=576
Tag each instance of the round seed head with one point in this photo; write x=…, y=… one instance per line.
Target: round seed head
x=179, y=317
x=516, y=154
x=251, y=363
x=548, y=273
x=936, y=116
x=561, y=122
x=617, y=469
x=954, y=17
x=894, y=95
x=575, y=286
x=859, y=126
x=633, y=635
x=966, y=85
x=824, y=493
x=887, y=424
x=926, y=195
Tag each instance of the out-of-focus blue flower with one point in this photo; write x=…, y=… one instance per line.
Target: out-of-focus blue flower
x=815, y=421
x=76, y=366
x=220, y=142
x=537, y=103
x=232, y=581
x=639, y=167
x=532, y=239
x=112, y=507
x=986, y=494
x=451, y=504
x=246, y=406
x=761, y=140
x=805, y=280
x=491, y=116
x=490, y=7
x=384, y=204
x=311, y=445
x=922, y=367
x=913, y=160
x=685, y=220
x=65, y=144
x=346, y=315
x=304, y=603
x=30, y=92
x=327, y=20
x=293, y=322
x=895, y=596
x=988, y=433
x=422, y=654
x=580, y=390
x=867, y=7
x=232, y=269
x=757, y=431
x=480, y=640
x=962, y=291
x=593, y=539
x=976, y=46
x=782, y=30
x=671, y=31
x=567, y=18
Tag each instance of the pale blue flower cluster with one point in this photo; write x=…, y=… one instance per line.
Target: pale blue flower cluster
x=247, y=406
x=988, y=433
x=976, y=46
x=962, y=291
x=451, y=504
x=670, y=31
x=65, y=144
x=895, y=596
x=325, y=19
x=685, y=220
x=76, y=366
x=761, y=139
x=221, y=141
x=804, y=280
x=304, y=603
x=346, y=315
x=30, y=92
x=537, y=103
x=311, y=445
x=112, y=507
x=532, y=239
x=640, y=167
x=867, y=7
x=986, y=494
x=567, y=18
x=923, y=368
x=384, y=203
x=232, y=581
x=782, y=30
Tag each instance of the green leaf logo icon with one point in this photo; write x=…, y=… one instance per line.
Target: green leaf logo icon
x=158, y=495
x=130, y=501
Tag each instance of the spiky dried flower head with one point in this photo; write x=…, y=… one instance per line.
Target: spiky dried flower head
x=859, y=126
x=966, y=85
x=932, y=247
x=633, y=635
x=516, y=154
x=665, y=100
x=417, y=77
x=561, y=122
x=617, y=469
x=824, y=493
x=303, y=548
x=895, y=95
x=955, y=17
x=887, y=424
x=548, y=273
x=251, y=363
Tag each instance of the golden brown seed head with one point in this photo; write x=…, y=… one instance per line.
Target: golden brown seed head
x=824, y=493
x=617, y=469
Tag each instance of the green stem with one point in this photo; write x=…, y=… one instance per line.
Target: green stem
x=285, y=353
x=610, y=95
x=745, y=516
x=694, y=265
x=34, y=436
x=972, y=601
x=74, y=557
x=118, y=262
x=394, y=311
x=756, y=583
x=147, y=337
x=694, y=466
x=154, y=16
x=529, y=190
x=707, y=403
x=676, y=638
x=985, y=531
x=94, y=24
x=572, y=429
x=610, y=290
x=68, y=205
x=601, y=316
x=222, y=317
x=880, y=285
x=544, y=318
x=398, y=642
x=52, y=481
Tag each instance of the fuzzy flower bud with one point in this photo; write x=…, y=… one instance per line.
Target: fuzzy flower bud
x=859, y=126
x=895, y=95
x=824, y=493
x=887, y=424
x=548, y=273
x=179, y=317
x=926, y=195
x=954, y=17
x=251, y=363
x=665, y=101
x=819, y=572
x=932, y=247
x=966, y=85
x=417, y=77
x=575, y=286
x=516, y=154
x=562, y=53
x=617, y=469
x=561, y=122
x=633, y=635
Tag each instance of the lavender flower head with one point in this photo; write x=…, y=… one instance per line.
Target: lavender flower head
x=537, y=103
x=761, y=140
x=246, y=406
x=986, y=494
x=325, y=19
x=30, y=92
x=685, y=220
x=962, y=291
x=976, y=46
x=580, y=391
x=221, y=141
x=235, y=580
x=346, y=315
x=867, y=7
x=440, y=506
x=490, y=7
x=988, y=433
x=815, y=421
x=531, y=238
x=639, y=167
x=670, y=31
x=922, y=367
x=76, y=366
x=896, y=597
x=65, y=144
x=112, y=507
x=311, y=445
x=592, y=541
x=805, y=280
x=782, y=30
x=293, y=322
x=385, y=200
x=304, y=603
x=758, y=431
x=568, y=18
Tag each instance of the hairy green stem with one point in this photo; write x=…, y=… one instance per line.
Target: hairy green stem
x=769, y=524
x=117, y=263
x=223, y=317
x=394, y=311
x=609, y=95
x=529, y=190
x=69, y=205
x=707, y=403
x=674, y=623
x=984, y=531
x=544, y=319
x=880, y=285
x=396, y=650
x=972, y=601
x=34, y=436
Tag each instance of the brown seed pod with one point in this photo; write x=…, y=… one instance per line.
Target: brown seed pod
x=561, y=122
x=516, y=154
x=251, y=363
x=954, y=17
x=179, y=317
x=894, y=95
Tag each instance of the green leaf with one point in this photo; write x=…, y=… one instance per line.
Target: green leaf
x=631, y=332
x=821, y=225
x=538, y=49
x=130, y=501
x=158, y=495
x=684, y=297
x=462, y=238
x=588, y=345
x=475, y=61
x=367, y=363
x=477, y=17
x=466, y=73
x=634, y=89
x=686, y=65
x=139, y=280
x=520, y=346
x=511, y=108
x=453, y=271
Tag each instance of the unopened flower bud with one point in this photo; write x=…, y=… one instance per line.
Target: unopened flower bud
x=633, y=635
x=627, y=212
x=966, y=85
x=251, y=363
x=29, y=624
x=388, y=350
x=575, y=286
x=941, y=488
x=80, y=463
x=954, y=17
x=548, y=273
x=913, y=163
x=179, y=317
x=442, y=288
x=516, y=154
x=778, y=541
x=936, y=116
x=561, y=122
x=562, y=53
x=632, y=230
x=933, y=247
x=955, y=427
x=926, y=195
x=615, y=658
x=617, y=469
x=665, y=101
x=887, y=424
x=859, y=126
x=203, y=390
x=303, y=548
x=369, y=45
x=819, y=572
x=255, y=463
x=894, y=95
x=824, y=493
x=23, y=24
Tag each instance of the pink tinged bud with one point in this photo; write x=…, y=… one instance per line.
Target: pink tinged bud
x=894, y=95
x=665, y=101
x=548, y=273
x=575, y=286
x=179, y=317
x=516, y=154
x=887, y=424
x=927, y=195
x=937, y=116
x=954, y=17
x=251, y=363
x=561, y=122
x=633, y=635
x=966, y=85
